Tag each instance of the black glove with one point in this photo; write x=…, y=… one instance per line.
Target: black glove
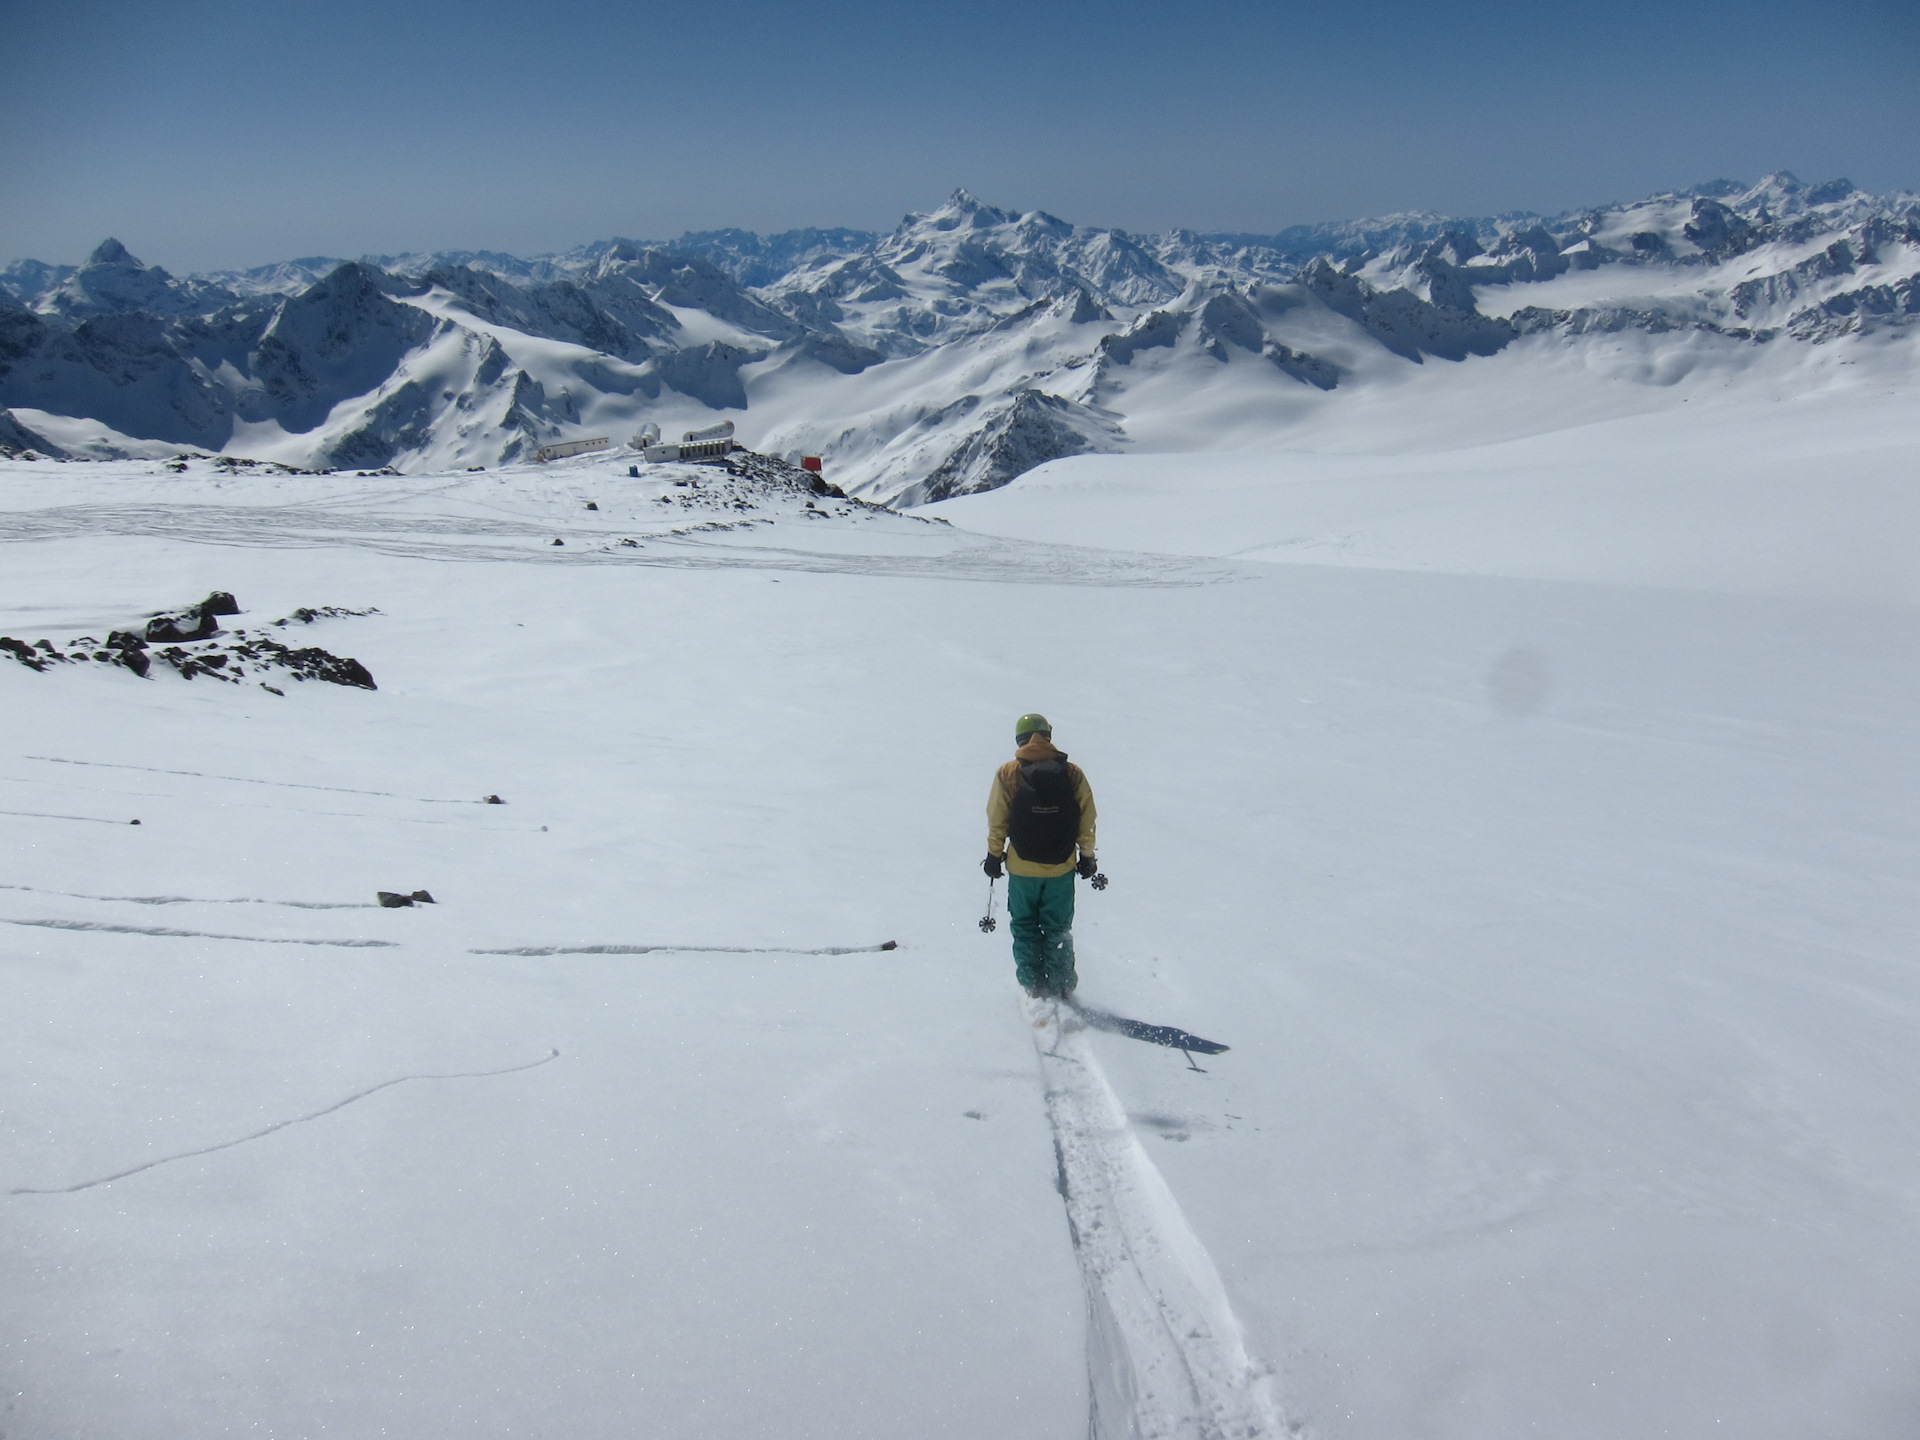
x=993, y=867
x=1087, y=866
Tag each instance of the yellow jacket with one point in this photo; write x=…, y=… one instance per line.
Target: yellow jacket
x=1000, y=805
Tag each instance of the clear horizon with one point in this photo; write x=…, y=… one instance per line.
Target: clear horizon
x=207, y=134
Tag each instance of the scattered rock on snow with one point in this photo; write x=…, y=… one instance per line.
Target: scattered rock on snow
x=185, y=640
x=391, y=900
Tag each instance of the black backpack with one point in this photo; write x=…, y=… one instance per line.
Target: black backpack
x=1044, y=822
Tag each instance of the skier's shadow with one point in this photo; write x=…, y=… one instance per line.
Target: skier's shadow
x=1168, y=1035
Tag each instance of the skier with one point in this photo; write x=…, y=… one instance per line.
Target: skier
x=1039, y=813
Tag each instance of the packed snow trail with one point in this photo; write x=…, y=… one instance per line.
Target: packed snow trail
x=280, y=1125
x=1166, y=1359
x=922, y=552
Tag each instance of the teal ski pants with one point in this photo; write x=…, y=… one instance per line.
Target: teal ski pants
x=1040, y=913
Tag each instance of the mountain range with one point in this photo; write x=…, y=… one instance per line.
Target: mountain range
x=946, y=357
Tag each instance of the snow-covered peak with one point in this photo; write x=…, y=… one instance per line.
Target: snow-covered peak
x=962, y=211
x=28, y=281
x=114, y=280
x=968, y=266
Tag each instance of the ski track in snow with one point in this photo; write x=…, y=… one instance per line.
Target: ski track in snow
x=196, y=934
x=442, y=537
x=280, y=1125
x=245, y=779
x=688, y=949
x=196, y=899
x=48, y=815
x=1166, y=1359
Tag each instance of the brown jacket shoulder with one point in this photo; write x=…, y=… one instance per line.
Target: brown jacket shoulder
x=1006, y=781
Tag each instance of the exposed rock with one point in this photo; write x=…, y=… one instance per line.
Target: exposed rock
x=18, y=442
x=338, y=340
x=185, y=641
x=708, y=373
x=197, y=622
x=1858, y=311
x=556, y=310
x=395, y=900
x=1226, y=320
x=1162, y=327
x=1718, y=231
x=23, y=652
x=194, y=625
x=1308, y=369
x=306, y=614
x=840, y=353
x=1613, y=319
x=1030, y=430
x=1402, y=321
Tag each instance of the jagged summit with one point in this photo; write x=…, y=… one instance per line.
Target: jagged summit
x=111, y=252
x=962, y=211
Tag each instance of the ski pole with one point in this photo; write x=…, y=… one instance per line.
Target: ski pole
x=987, y=923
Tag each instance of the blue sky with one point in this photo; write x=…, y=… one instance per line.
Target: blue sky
x=213, y=133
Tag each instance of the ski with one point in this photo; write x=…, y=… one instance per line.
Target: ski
x=1168, y=1035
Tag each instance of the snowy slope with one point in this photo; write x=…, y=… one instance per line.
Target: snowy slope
x=1789, y=472
x=1540, y=836
x=963, y=348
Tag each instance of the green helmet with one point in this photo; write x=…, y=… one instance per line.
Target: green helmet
x=1031, y=724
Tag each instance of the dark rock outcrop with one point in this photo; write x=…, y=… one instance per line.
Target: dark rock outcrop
x=1030, y=430
x=1162, y=327
x=190, y=642
x=1400, y=320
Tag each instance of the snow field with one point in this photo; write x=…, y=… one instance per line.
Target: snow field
x=1795, y=477
x=720, y=1225
x=1560, y=927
